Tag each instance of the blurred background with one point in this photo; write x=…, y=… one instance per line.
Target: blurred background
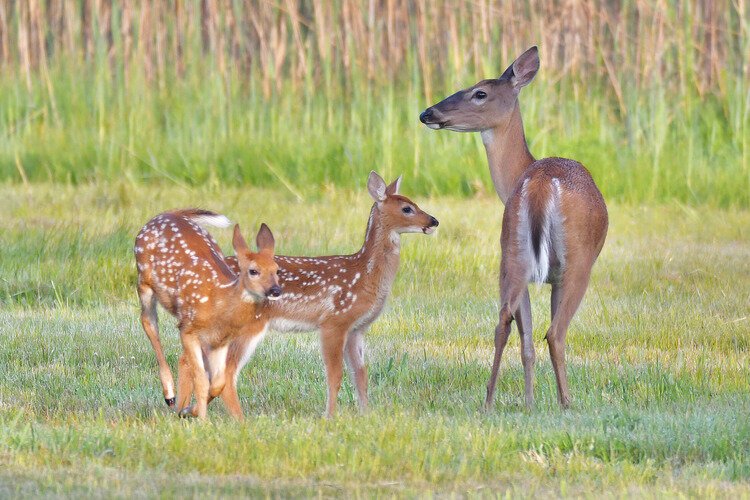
x=308, y=95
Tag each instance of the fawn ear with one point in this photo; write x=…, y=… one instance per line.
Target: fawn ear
x=523, y=69
x=240, y=245
x=393, y=187
x=376, y=186
x=265, y=240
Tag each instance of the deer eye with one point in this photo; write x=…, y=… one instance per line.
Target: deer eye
x=480, y=94
x=407, y=210
x=253, y=272
x=278, y=273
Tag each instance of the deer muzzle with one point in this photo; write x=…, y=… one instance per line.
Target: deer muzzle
x=432, y=118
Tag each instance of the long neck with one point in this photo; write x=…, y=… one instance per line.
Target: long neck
x=381, y=250
x=507, y=153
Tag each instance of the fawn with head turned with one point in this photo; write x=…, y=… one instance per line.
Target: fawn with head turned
x=341, y=295
x=555, y=218
x=181, y=267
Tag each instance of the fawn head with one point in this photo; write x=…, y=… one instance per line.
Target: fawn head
x=259, y=273
x=487, y=104
x=397, y=212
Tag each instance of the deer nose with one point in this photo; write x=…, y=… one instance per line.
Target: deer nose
x=426, y=115
x=434, y=222
x=275, y=291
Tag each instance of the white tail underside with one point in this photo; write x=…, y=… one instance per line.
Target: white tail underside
x=552, y=238
x=211, y=220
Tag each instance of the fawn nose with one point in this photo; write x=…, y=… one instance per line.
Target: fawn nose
x=425, y=115
x=433, y=221
x=275, y=291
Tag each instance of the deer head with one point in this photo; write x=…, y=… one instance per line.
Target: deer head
x=487, y=104
x=258, y=271
x=398, y=213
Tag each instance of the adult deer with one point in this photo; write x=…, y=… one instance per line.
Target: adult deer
x=341, y=295
x=181, y=267
x=555, y=219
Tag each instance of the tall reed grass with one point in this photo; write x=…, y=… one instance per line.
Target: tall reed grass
x=652, y=96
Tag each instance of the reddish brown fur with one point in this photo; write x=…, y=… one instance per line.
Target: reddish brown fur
x=555, y=195
x=341, y=295
x=181, y=267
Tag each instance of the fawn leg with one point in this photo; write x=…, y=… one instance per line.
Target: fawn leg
x=332, y=343
x=150, y=322
x=184, y=383
x=355, y=358
x=194, y=354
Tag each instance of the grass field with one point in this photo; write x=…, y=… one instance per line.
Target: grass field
x=111, y=112
x=659, y=360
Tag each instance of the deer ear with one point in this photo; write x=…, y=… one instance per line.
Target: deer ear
x=393, y=187
x=376, y=186
x=240, y=247
x=265, y=239
x=524, y=68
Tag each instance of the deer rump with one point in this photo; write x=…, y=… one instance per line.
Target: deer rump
x=540, y=228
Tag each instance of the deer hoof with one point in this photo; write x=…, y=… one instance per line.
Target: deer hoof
x=186, y=412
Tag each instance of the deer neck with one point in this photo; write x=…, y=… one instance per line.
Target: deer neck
x=381, y=251
x=507, y=153
x=244, y=302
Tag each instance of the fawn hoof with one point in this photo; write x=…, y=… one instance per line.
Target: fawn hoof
x=170, y=402
x=186, y=412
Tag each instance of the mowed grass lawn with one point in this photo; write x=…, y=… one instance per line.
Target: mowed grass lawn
x=658, y=360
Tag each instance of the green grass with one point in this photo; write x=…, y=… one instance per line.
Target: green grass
x=659, y=360
x=90, y=126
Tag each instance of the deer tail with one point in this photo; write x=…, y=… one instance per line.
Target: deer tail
x=203, y=217
x=543, y=231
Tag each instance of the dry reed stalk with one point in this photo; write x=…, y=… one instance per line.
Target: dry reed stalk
x=291, y=8
x=693, y=45
x=145, y=41
x=126, y=36
x=23, y=42
x=4, y=38
x=178, y=39
x=424, y=61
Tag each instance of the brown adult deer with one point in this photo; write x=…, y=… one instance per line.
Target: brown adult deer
x=555, y=219
x=181, y=267
x=341, y=295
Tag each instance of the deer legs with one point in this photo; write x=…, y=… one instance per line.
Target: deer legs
x=566, y=298
x=332, y=343
x=514, y=297
x=355, y=358
x=195, y=368
x=222, y=382
x=338, y=345
x=150, y=322
x=528, y=355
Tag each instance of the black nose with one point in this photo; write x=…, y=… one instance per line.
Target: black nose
x=433, y=221
x=275, y=291
x=426, y=115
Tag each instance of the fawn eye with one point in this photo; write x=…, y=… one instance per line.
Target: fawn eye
x=278, y=273
x=253, y=272
x=407, y=210
x=480, y=94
